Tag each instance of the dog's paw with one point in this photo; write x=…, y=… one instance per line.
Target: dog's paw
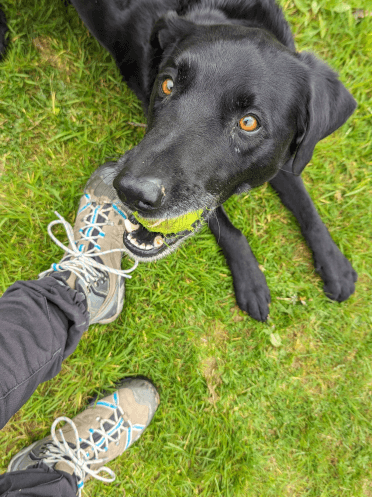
x=337, y=273
x=253, y=296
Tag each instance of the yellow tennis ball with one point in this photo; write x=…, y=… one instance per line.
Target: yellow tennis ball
x=173, y=225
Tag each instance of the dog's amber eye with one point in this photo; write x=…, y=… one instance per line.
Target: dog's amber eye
x=167, y=86
x=248, y=123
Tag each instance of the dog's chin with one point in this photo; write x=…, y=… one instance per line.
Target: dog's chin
x=146, y=246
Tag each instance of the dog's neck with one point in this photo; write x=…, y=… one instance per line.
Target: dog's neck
x=207, y=16
x=252, y=13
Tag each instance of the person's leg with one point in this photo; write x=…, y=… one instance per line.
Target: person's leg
x=41, y=321
x=38, y=481
x=61, y=463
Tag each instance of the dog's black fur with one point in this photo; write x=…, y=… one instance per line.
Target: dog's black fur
x=226, y=59
x=3, y=33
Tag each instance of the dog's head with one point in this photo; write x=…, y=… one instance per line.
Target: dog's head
x=230, y=106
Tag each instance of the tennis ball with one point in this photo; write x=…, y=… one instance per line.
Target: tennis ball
x=173, y=225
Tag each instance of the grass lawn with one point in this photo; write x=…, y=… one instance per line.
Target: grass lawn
x=248, y=409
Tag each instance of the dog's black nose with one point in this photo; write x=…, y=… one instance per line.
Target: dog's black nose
x=144, y=193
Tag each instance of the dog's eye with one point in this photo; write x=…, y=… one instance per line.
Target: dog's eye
x=167, y=86
x=249, y=123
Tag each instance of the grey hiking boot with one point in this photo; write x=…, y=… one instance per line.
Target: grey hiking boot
x=92, y=264
x=96, y=436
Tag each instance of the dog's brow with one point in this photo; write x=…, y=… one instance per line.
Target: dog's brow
x=244, y=101
x=168, y=64
x=183, y=68
x=238, y=102
x=185, y=71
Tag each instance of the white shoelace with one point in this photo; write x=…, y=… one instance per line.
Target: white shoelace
x=78, y=458
x=83, y=264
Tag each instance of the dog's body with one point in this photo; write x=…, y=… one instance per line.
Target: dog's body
x=230, y=106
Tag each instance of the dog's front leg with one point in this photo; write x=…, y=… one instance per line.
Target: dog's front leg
x=335, y=270
x=251, y=290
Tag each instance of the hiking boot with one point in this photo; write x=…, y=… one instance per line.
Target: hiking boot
x=92, y=264
x=95, y=436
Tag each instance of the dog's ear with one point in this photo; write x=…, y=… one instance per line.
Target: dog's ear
x=169, y=29
x=329, y=105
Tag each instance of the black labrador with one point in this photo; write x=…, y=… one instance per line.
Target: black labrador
x=230, y=105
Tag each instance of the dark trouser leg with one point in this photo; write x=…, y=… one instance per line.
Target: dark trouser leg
x=41, y=323
x=38, y=482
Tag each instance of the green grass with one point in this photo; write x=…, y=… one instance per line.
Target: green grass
x=248, y=409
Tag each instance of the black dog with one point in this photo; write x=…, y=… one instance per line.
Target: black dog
x=230, y=105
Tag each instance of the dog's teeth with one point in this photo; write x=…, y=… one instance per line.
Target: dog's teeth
x=158, y=241
x=134, y=241
x=130, y=226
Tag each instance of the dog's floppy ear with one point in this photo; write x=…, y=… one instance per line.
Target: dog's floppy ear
x=329, y=106
x=168, y=29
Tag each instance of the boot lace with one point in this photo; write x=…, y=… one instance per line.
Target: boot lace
x=83, y=263
x=81, y=454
